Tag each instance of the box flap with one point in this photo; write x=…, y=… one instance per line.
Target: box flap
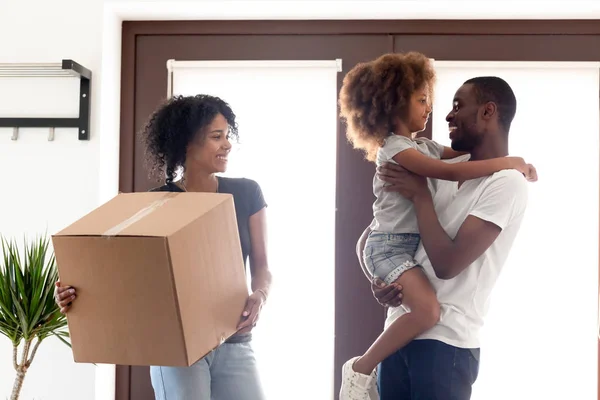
x=145, y=214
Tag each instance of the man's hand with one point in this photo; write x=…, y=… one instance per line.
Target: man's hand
x=387, y=295
x=400, y=180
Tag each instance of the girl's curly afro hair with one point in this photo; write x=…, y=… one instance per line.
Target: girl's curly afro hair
x=172, y=127
x=374, y=93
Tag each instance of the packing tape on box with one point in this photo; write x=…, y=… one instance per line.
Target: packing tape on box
x=115, y=230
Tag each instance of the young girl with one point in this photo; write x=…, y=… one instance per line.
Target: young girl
x=384, y=103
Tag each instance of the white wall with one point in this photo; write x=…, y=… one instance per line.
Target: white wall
x=46, y=185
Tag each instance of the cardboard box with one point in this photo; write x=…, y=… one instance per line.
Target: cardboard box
x=159, y=276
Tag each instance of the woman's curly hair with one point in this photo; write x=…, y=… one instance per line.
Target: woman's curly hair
x=374, y=93
x=172, y=127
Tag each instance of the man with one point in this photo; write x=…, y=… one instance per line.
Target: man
x=467, y=230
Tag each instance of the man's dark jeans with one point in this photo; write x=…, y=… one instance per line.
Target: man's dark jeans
x=428, y=370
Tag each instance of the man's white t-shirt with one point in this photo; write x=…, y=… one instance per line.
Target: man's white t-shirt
x=500, y=199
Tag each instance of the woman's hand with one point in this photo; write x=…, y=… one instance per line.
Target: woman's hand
x=251, y=312
x=64, y=296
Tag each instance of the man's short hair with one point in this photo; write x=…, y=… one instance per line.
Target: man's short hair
x=497, y=90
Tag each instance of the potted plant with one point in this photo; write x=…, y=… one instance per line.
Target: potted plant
x=28, y=313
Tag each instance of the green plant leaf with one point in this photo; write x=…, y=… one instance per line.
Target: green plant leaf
x=27, y=277
x=62, y=339
x=21, y=315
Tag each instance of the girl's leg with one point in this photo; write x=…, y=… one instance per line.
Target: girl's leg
x=420, y=297
x=235, y=374
x=182, y=383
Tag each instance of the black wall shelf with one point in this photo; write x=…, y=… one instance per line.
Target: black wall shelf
x=68, y=68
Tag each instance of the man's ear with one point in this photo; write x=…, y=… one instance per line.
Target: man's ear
x=490, y=109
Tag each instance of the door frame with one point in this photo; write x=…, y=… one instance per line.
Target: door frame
x=132, y=30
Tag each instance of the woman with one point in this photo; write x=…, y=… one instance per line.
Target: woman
x=192, y=133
